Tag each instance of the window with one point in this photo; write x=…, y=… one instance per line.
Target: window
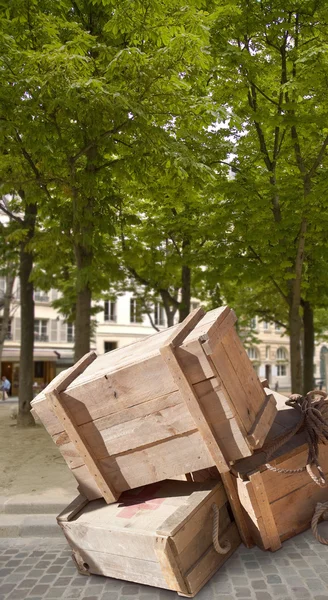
x=40, y=296
x=109, y=310
x=265, y=326
x=159, y=317
x=41, y=330
x=277, y=327
x=108, y=346
x=135, y=311
x=9, y=332
x=39, y=369
x=281, y=370
x=281, y=354
x=252, y=353
x=70, y=332
x=253, y=323
x=267, y=352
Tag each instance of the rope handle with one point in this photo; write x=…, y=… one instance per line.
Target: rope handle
x=321, y=510
x=226, y=547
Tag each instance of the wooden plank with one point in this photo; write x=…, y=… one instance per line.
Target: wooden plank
x=266, y=512
x=169, y=565
x=183, y=329
x=202, y=539
x=72, y=509
x=293, y=513
x=211, y=561
x=157, y=462
x=263, y=423
x=235, y=393
x=184, y=513
x=192, y=402
x=198, y=519
x=253, y=515
x=160, y=419
x=220, y=414
x=123, y=567
x=230, y=487
x=80, y=443
x=244, y=370
x=218, y=331
x=278, y=485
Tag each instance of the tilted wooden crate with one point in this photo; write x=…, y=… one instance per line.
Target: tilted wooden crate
x=160, y=535
x=278, y=506
x=184, y=399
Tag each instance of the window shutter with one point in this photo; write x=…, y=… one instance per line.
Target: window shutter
x=63, y=331
x=53, y=330
x=53, y=295
x=17, y=329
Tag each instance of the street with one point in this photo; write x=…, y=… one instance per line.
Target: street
x=40, y=568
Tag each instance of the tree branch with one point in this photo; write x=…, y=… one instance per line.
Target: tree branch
x=10, y=214
x=283, y=295
x=319, y=158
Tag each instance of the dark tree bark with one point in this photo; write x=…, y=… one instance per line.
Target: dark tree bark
x=169, y=308
x=308, y=350
x=184, y=309
x=26, y=366
x=83, y=306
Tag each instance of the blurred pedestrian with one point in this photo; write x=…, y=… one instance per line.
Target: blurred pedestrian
x=5, y=387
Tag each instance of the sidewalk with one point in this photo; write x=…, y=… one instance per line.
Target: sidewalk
x=34, y=478
x=41, y=569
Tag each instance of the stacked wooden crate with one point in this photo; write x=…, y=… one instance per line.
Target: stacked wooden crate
x=183, y=400
x=279, y=505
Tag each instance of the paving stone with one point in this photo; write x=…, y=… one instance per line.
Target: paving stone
x=62, y=581
x=259, y=584
x=278, y=590
x=315, y=585
x=26, y=583
x=263, y=596
x=301, y=592
x=5, y=588
x=39, y=590
x=273, y=579
x=243, y=593
x=55, y=592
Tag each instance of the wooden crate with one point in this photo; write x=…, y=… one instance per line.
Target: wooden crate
x=278, y=506
x=182, y=400
x=159, y=535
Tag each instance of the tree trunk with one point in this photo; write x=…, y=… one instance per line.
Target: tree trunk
x=295, y=330
x=184, y=309
x=169, y=309
x=295, y=321
x=83, y=303
x=10, y=279
x=82, y=323
x=26, y=364
x=308, y=350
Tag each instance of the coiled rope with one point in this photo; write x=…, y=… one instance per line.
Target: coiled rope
x=314, y=419
x=321, y=511
x=224, y=549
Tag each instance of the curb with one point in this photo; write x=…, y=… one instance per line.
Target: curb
x=40, y=525
x=31, y=505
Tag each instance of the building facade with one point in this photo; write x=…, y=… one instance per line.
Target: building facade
x=121, y=322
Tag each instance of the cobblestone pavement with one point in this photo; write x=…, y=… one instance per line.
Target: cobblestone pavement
x=42, y=568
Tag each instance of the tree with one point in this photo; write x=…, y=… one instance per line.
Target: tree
x=108, y=83
x=270, y=59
